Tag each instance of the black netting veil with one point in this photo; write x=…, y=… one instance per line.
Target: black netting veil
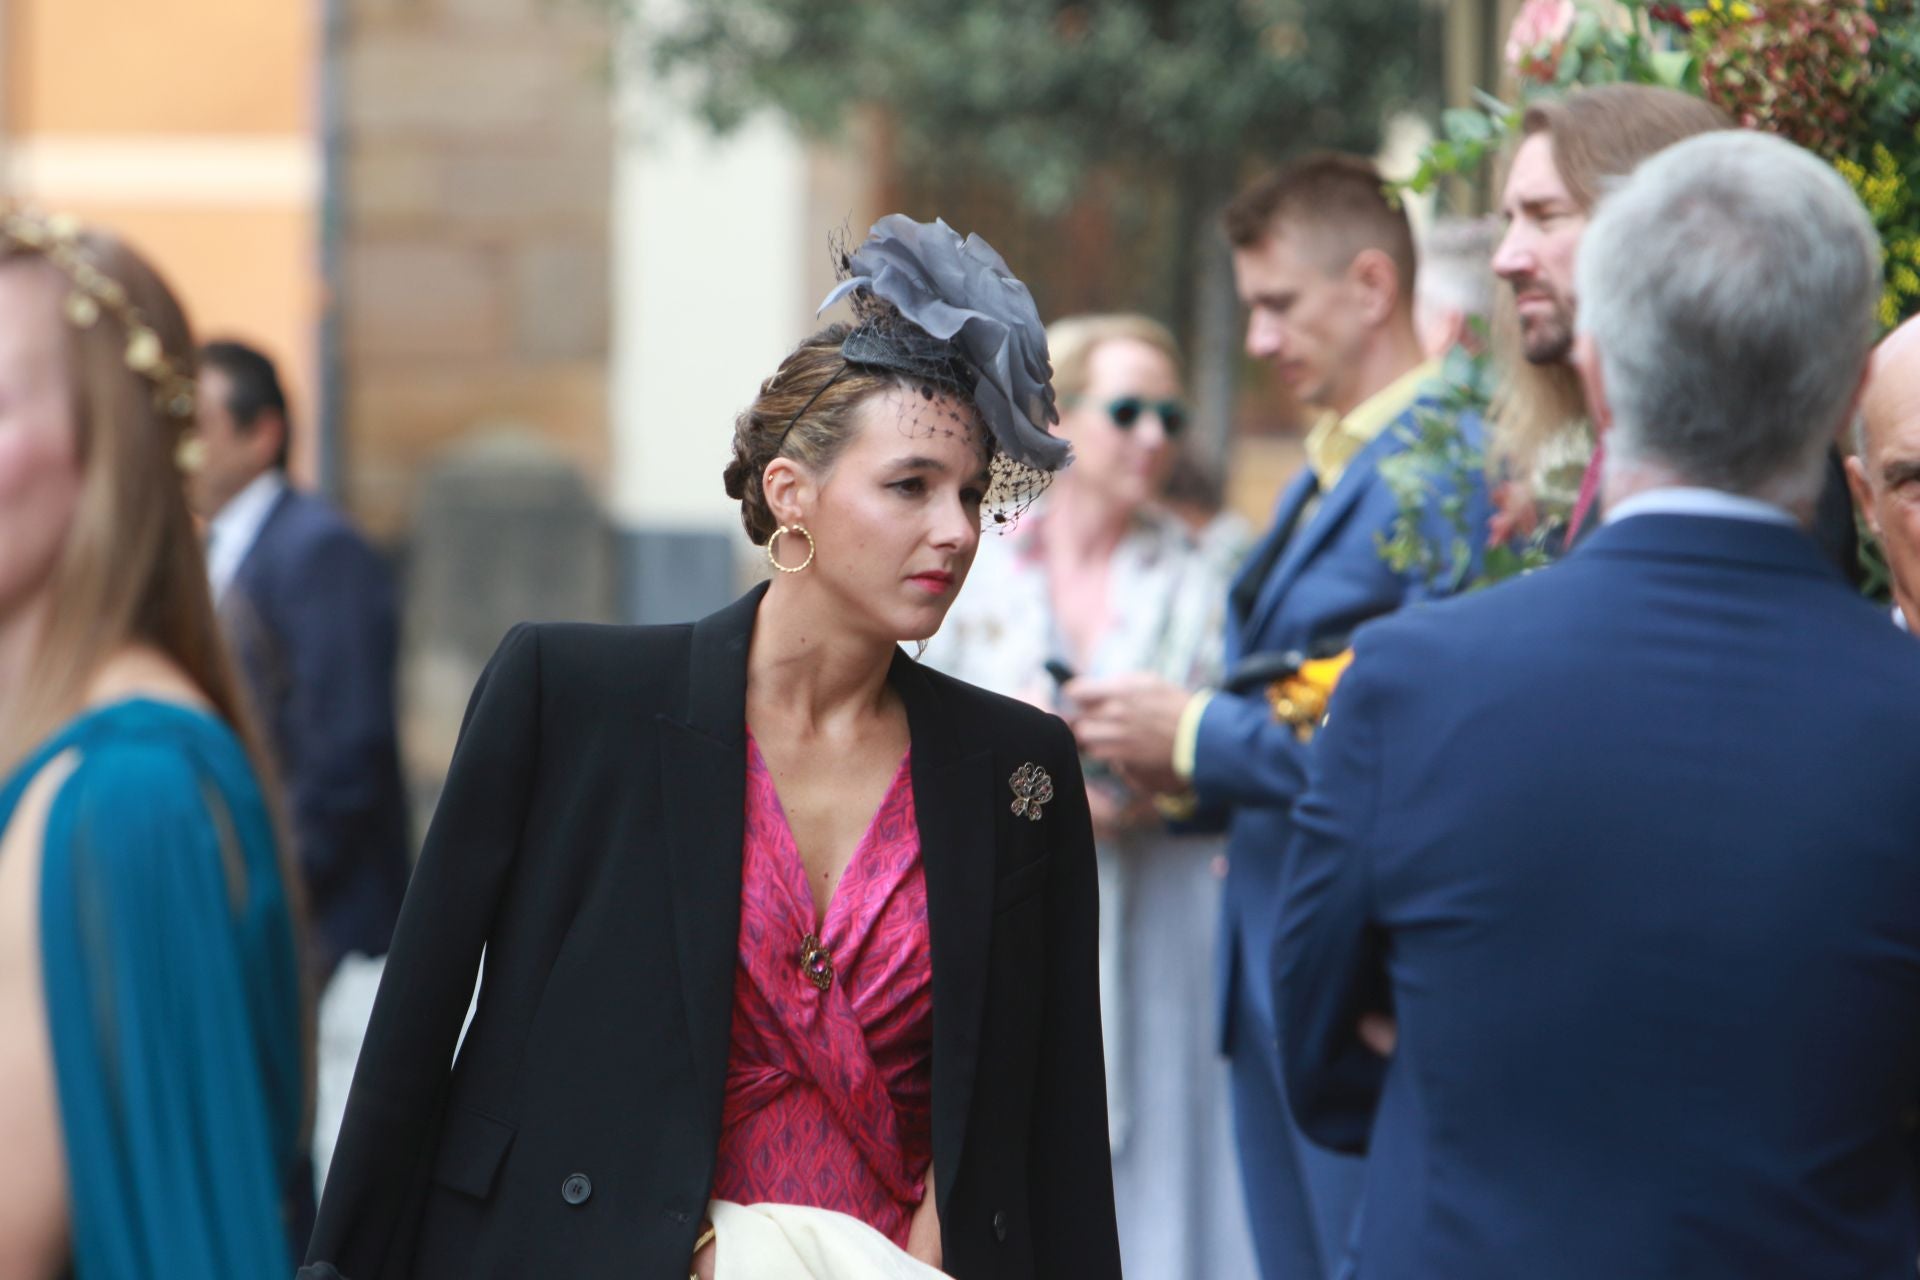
x=952, y=395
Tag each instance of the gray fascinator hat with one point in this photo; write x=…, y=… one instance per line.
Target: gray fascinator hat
x=977, y=329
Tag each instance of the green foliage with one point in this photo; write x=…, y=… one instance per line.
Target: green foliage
x=1469, y=137
x=1840, y=77
x=1431, y=536
x=1882, y=157
x=1891, y=95
x=1614, y=43
x=1039, y=92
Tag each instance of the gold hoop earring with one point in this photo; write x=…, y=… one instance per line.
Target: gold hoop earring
x=774, y=541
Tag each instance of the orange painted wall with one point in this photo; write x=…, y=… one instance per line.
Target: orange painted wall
x=142, y=74
x=243, y=273
x=161, y=66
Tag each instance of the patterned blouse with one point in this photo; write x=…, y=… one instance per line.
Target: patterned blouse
x=829, y=1094
x=1166, y=605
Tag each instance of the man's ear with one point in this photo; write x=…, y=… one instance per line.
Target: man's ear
x=1862, y=489
x=1378, y=288
x=790, y=489
x=1593, y=382
x=266, y=436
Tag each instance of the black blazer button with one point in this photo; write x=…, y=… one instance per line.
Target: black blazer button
x=1000, y=1226
x=576, y=1188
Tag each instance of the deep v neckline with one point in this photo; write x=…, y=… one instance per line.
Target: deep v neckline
x=819, y=921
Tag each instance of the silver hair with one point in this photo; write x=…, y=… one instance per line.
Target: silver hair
x=1730, y=286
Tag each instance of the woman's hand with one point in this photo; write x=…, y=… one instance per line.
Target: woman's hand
x=1129, y=724
x=923, y=1233
x=704, y=1259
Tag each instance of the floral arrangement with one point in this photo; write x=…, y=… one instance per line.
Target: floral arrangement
x=1431, y=536
x=1838, y=77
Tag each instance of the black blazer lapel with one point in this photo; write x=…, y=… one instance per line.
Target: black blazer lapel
x=703, y=793
x=953, y=798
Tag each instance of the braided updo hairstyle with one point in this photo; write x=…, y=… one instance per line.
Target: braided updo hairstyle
x=820, y=435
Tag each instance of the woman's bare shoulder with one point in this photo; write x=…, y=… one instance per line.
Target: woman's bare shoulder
x=20, y=843
x=33, y=1208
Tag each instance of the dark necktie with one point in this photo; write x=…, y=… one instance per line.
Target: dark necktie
x=1246, y=591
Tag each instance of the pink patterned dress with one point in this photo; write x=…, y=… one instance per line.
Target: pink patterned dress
x=829, y=1075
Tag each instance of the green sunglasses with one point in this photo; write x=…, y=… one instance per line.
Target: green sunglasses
x=1127, y=410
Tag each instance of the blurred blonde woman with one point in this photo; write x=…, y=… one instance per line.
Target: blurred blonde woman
x=1101, y=579
x=150, y=1071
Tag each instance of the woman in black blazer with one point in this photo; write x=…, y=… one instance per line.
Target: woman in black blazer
x=589, y=843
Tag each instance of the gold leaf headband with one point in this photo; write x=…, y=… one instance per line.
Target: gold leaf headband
x=57, y=238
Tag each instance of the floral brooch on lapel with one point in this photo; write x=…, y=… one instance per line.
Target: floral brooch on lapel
x=1032, y=788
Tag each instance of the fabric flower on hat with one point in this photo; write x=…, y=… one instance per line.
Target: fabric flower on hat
x=962, y=292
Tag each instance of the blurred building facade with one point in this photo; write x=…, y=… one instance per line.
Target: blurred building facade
x=722, y=251
x=473, y=179
x=451, y=220
x=192, y=128
x=514, y=287
x=535, y=243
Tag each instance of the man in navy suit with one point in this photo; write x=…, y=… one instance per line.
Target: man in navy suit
x=309, y=608
x=1325, y=263
x=1629, y=847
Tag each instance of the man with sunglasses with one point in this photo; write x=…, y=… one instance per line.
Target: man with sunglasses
x=1325, y=263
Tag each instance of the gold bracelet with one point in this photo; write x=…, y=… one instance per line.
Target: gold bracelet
x=706, y=1238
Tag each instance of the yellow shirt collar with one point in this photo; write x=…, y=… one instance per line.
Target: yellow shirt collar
x=1334, y=440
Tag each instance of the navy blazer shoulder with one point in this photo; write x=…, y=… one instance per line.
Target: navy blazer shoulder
x=313, y=621
x=301, y=528
x=589, y=839
x=1630, y=844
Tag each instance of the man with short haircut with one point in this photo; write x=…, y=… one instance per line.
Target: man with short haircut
x=309, y=608
x=1885, y=470
x=1628, y=846
x=1325, y=263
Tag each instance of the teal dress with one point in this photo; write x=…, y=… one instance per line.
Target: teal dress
x=172, y=996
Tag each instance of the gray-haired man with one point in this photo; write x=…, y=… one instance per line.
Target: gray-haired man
x=1629, y=845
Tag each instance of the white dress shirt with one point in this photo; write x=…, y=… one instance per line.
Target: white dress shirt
x=234, y=529
x=1690, y=500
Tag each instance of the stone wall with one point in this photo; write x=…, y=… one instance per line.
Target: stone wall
x=474, y=275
